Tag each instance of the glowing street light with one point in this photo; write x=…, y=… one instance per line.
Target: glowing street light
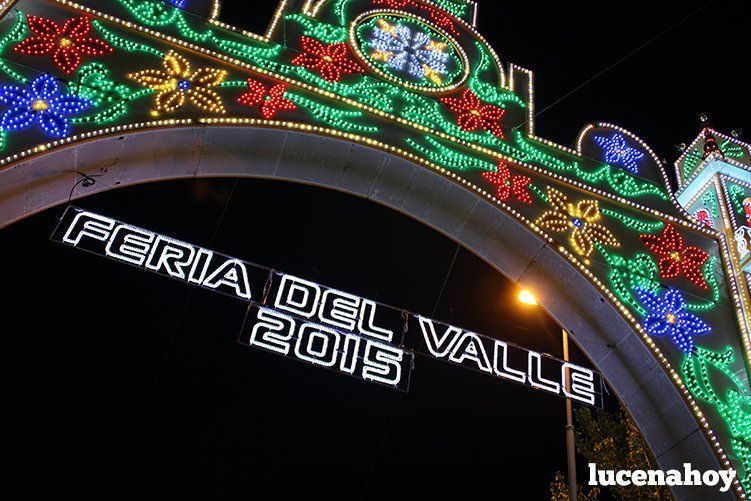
x=527, y=297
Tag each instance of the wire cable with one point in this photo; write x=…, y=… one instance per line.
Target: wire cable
x=152, y=389
x=616, y=63
x=401, y=395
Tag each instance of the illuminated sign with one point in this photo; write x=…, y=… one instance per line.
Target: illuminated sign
x=310, y=322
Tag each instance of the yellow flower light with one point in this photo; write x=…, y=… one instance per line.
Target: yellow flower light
x=177, y=82
x=580, y=219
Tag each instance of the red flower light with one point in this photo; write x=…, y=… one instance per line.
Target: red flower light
x=441, y=19
x=66, y=44
x=438, y=16
x=473, y=114
x=270, y=103
x=331, y=61
x=675, y=258
x=508, y=185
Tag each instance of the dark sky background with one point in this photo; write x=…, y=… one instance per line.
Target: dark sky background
x=124, y=384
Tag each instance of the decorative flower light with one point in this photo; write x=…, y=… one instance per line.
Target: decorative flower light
x=66, y=44
x=438, y=16
x=747, y=209
x=668, y=315
x=41, y=103
x=178, y=3
x=580, y=219
x=178, y=81
x=704, y=217
x=331, y=61
x=508, y=185
x=409, y=50
x=473, y=114
x=270, y=102
x=675, y=257
x=617, y=152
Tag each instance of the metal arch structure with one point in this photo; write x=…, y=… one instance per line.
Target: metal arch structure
x=405, y=103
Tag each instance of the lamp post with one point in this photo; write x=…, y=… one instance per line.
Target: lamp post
x=570, y=443
x=526, y=297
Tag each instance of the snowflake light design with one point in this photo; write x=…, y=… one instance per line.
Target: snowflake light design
x=409, y=50
x=43, y=103
x=617, y=152
x=668, y=315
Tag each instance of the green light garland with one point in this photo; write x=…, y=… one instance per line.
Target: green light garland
x=157, y=14
x=627, y=274
x=336, y=117
x=690, y=162
x=731, y=150
x=732, y=402
x=710, y=201
x=456, y=7
x=316, y=29
x=737, y=195
x=122, y=43
x=151, y=13
x=341, y=119
x=539, y=192
x=15, y=34
x=708, y=272
x=448, y=157
x=641, y=271
x=634, y=223
x=490, y=92
x=620, y=180
x=378, y=94
x=339, y=11
x=385, y=96
x=244, y=51
x=93, y=82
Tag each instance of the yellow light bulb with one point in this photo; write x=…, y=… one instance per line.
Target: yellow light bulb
x=527, y=297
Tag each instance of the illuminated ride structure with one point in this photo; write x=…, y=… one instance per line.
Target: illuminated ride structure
x=402, y=102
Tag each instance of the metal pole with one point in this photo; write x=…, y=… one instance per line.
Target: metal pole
x=570, y=444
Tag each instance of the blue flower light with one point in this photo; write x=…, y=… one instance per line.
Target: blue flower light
x=178, y=3
x=617, y=152
x=41, y=103
x=668, y=315
x=409, y=50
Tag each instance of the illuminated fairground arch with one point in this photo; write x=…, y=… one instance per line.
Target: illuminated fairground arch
x=403, y=102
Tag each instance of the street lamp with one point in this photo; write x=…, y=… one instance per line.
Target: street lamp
x=527, y=298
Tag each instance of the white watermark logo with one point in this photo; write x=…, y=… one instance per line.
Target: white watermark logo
x=689, y=476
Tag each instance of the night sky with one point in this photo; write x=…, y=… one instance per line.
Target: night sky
x=123, y=384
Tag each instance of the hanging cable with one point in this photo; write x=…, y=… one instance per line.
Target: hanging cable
x=170, y=343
